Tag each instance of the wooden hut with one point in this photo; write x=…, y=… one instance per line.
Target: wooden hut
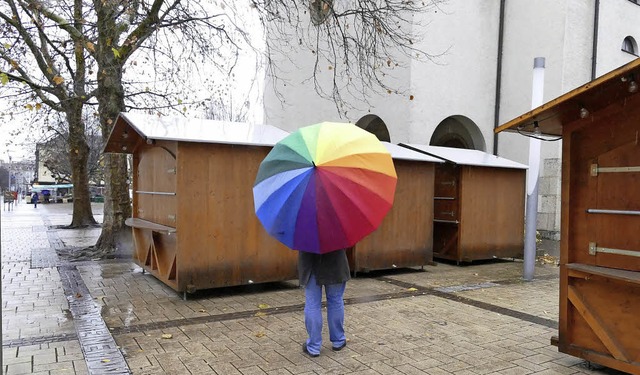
x=478, y=205
x=599, y=123
x=405, y=237
x=194, y=225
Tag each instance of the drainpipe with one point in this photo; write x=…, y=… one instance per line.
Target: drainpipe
x=496, y=109
x=594, y=52
x=533, y=173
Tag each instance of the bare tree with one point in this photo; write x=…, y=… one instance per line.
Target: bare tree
x=55, y=156
x=46, y=68
x=360, y=43
x=141, y=55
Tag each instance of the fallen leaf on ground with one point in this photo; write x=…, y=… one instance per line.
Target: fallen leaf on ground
x=167, y=336
x=261, y=334
x=412, y=289
x=260, y=313
x=263, y=306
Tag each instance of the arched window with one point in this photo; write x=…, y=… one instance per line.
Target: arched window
x=629, y=45
x=458, y=132
x=376, y=126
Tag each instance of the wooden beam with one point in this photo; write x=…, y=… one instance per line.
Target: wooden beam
x=594, y=321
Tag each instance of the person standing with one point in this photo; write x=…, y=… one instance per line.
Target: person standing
x=331, y=271
x=34, y=199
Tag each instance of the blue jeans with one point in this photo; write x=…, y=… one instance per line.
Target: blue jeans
x=313, y=314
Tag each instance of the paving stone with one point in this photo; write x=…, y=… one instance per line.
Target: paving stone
x=478, y=319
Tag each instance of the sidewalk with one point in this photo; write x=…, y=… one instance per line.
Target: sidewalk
x=106, y=316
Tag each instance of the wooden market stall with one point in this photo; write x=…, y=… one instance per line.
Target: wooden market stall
x=405, y=237
x=600, y=248
x=194, y=225
x=478, y=205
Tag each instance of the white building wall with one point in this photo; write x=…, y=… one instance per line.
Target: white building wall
x=618, y=19
x=462, y=80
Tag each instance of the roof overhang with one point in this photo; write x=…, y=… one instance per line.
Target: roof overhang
x=132, y=129
x=579, y=103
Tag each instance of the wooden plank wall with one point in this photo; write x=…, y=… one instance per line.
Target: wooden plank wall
x=405, y=237
x=220, y=240
x=155, y=171
x=600, y=293
x=491, y=212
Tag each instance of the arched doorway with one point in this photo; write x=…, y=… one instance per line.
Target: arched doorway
x=374, y=125
x=459, y=132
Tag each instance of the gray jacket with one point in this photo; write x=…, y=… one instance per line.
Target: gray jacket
x=329, y=268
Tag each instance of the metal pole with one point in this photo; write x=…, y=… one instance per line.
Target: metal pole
x=533, y=173
x=9, y=175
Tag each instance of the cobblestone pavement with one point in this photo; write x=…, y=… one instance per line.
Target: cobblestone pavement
x=106, y=316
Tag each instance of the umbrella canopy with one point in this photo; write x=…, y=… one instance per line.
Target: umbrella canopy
x=324, y=187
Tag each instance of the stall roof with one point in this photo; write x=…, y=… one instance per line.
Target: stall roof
x=131, y=128
x=465, y=157
x=398, y=152
x=594, y=96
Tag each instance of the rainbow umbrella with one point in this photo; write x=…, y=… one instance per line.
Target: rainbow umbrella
x=324, y=187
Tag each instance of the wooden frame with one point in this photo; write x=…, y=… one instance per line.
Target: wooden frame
x=193, y=223
x=478, y=205
x=600, y=247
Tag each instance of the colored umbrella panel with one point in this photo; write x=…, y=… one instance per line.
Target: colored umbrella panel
x=325, y=187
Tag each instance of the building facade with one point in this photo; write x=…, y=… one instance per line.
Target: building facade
x=481, y=77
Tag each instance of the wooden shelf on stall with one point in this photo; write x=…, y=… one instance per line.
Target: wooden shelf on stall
x=135, y=222
x=579, y=270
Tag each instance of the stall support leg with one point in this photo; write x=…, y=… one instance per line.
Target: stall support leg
x=184, y=295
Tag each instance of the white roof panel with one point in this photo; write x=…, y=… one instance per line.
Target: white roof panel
x=201, y=130
x=398, y=152
x=466, y=157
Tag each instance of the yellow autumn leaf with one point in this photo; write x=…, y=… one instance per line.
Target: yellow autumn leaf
x=58, y=80
x=263, y=306
x=14, y=64
x=28, y=106
x=259, y=314
x=167, y=336
x=4, y=79
x=412, y=289
x=261, y=334
x=90, y=47
x=7, y=45
x=38, y=106
x=116, y=53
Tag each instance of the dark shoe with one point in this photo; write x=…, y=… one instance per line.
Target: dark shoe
x=339, y=348
x=306, y=351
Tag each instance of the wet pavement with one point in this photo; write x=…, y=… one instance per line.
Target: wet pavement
x=108, y=317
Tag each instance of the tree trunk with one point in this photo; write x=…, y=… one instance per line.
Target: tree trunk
x=117, y=204
x=78, y=157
